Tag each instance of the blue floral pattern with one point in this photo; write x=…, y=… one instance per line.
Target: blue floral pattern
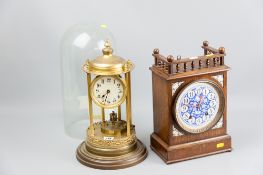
x=198, y=105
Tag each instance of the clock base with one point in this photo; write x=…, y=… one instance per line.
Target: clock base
x=191, y=150
x=135, y=156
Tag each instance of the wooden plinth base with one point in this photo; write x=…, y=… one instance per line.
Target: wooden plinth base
x=191, y=150
x=111, y=162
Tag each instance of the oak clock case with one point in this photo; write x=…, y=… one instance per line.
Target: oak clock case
x=111, y=143
x=190, y=115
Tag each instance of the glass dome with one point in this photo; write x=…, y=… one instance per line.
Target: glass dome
x=79, y=43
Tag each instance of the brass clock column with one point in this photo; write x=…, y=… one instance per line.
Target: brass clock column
x=111, y=143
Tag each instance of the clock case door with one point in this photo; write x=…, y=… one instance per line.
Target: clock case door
x=183, y=146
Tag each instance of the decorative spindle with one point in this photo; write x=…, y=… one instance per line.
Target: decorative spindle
x=163, y=64
x=166, y=67
x=192, y=65
x=170, y=59
x=185, y=66
x=200, y=64
x=177, y=65
x=177, y=68
x=221, y=51
x=214, y=60
x=207, y=62
x=155, y=61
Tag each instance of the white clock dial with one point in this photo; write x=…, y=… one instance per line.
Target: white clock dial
x=199, y=106
x=108, y=91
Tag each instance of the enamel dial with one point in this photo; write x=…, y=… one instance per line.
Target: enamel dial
x=108, y=91
x=199, y=106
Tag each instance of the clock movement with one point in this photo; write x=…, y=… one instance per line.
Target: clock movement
x=111, y=143
x=190, y=105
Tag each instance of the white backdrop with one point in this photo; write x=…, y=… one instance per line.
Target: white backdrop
x=32, y=139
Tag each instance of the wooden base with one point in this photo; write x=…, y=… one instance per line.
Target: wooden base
x=132, y=158
x=191, y=150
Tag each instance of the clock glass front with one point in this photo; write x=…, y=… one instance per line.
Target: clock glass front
x=108, y=91
x=199, y=106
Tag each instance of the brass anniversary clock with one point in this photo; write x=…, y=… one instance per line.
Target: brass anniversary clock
x=111, y=143
x=189, y=105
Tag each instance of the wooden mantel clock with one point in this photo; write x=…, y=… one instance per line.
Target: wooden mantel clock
x=190, y=105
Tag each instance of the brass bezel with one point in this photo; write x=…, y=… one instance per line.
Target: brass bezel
x=112, y=105
x=212, y=122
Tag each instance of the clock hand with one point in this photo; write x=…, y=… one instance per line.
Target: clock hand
x=200, y=102
x=108, y=91
x=106, y=98
x=194, y=105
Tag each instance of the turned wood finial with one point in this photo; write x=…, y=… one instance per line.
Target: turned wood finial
x=170, y=58
x=205, y=43
x=178, y=57
x=221, y=50
x=156, y=51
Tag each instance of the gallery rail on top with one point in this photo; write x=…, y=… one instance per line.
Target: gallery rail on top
x=212, y=58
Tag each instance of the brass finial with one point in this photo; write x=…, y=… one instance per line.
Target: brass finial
x=85, y=66
x=87, y=62
x=107, y=50
x=125, y=67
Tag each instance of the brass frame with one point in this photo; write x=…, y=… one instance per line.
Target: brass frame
x=124, y=150
x=128, y=103
x=212, y=122
x=112, y=105
x=90, y=105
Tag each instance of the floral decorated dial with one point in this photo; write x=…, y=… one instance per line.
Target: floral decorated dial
x=198, y=106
